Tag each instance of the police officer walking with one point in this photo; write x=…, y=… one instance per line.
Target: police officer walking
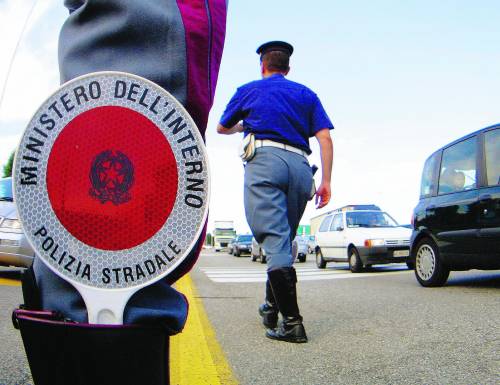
x=281, y=115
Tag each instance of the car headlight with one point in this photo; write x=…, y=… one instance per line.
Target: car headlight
x=374, y=242
x=11, y=224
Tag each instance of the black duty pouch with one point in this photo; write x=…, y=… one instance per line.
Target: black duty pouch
x=314, y=168
x=63, y=352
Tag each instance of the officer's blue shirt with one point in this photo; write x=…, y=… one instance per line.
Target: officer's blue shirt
x=278, y=109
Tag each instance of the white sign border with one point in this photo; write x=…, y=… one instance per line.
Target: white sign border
x=185, y=252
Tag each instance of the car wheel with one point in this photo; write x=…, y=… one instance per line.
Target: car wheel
x=302, y=258
x=237, y=252
x=320, y=262
x=429, y=269
x=355, y=264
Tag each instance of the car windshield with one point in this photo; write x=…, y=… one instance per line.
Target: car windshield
x=6, y=190
x=245, y=238
x=370, y=219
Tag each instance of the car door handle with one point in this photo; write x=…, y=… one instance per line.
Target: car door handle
x=484, y=197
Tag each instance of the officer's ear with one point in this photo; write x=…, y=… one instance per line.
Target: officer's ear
x=287, y=71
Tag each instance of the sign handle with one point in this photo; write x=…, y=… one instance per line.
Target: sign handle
x=105, y=307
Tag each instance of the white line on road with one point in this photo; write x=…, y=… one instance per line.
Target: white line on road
x=232, y=275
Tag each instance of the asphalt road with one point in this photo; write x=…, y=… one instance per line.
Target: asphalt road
x=375, y=328
x=379, y=327
x=13, y=363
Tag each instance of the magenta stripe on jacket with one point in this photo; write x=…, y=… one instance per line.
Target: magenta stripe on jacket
x=204, y=24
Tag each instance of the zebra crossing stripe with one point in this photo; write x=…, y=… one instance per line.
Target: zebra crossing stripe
x=238, y=280
x=221, y=275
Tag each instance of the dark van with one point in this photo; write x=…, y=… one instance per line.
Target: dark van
x=456, y=224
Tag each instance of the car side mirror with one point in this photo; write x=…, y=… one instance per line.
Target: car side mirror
x=340, y=228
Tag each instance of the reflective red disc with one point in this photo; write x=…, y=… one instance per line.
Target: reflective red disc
x=112, y=178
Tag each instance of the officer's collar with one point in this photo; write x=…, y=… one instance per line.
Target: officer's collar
x=275, y=76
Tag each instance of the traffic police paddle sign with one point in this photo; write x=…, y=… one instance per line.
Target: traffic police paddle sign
x=112, y=186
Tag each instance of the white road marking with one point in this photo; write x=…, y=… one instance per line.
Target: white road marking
x=238, y=275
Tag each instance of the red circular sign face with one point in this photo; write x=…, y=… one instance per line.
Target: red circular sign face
x=117, y=190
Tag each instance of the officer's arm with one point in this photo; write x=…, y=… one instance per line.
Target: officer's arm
x=323, y=192
x=229, y=131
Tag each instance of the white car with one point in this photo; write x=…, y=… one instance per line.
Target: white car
x=362, y=238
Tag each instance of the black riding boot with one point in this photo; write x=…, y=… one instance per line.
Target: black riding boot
x=269, y=310
x=283, y=282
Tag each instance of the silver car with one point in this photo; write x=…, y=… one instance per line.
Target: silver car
x=257, y=252
x=15, y=249
x=299, y=248
x=311, y=244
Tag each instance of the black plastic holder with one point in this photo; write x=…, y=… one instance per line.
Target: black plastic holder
x=62, y=352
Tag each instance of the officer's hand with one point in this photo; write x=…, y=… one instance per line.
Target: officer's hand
x=323, y=194
x=238, y=127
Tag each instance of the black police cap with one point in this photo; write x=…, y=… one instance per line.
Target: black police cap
x=275, y=46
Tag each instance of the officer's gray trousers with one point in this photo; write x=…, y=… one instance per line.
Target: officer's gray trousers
x=174, y=43
x=277, y=187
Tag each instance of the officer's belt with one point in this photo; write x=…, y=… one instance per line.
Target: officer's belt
x=272, y=143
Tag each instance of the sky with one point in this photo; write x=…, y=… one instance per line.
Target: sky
x=398, y=80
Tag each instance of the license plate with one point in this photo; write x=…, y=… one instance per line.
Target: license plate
x=401, y=253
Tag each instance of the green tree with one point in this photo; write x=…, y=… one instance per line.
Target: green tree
x=7, y=169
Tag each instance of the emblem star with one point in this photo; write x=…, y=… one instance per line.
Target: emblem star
x=112, y=174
